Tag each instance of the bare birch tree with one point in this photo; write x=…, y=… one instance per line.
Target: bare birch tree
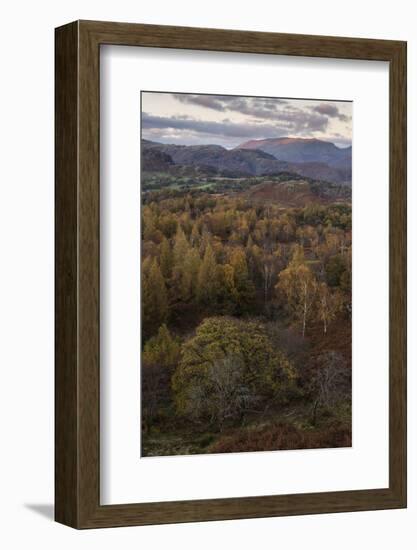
x=299, y=286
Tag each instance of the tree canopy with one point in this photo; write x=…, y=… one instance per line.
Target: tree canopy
x=229, y=357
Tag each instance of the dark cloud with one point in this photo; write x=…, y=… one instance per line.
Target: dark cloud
x=241, y=118
x=253, y=106
x=330, y=110
x=225, y=128
x=209, y=101
x=296, y=122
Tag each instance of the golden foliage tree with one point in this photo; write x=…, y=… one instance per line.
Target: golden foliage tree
x=191, y=269
x=328, y=305
x=166, y=258
x=180, y=286
x=299, y=286
x=162, y=349
x=243, y=285
x=208, y=287
x=154, y=297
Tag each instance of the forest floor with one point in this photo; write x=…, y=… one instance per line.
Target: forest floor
x=288, y=427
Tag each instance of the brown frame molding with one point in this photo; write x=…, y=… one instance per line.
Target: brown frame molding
x=77, y=360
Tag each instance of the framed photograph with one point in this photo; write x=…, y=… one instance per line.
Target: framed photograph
x=230, y=274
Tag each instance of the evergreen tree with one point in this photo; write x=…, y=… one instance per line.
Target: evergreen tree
x=166, y=259
x=162, y=350
x=242, y=282
x=207, y=290
x=189, y=283
x=180, y=250
x=149, y=225
x=154, y=297
x=180, y=247
x=195, y=235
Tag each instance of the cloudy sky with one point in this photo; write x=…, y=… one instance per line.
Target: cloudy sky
x=191, y=119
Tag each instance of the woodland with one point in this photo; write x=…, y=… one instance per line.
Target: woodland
x=246, y=313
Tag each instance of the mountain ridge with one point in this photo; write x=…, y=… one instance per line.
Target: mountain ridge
x=319, y=162
x=300, y=149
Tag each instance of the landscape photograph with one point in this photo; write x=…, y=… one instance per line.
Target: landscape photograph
x=246, y=264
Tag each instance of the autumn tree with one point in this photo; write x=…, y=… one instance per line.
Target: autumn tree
x=229, y=367
x=268, y=263
x=335, y=269
x=150, y=231
x=180, y=246
x=205, y=240
x=336, y=240
x=345, y=281
x=228, y=291
x=162, y=349
x=180, y=278
x=190, y=273
x=328, y=305
x=299, y=286
x=330, y=382
x=207, y=289
x=166, y=258
x=313, y=214
x=148, y=223
x=195, y=235
x=251, y=256
x=168, y=224
x=160, y=355
x=242, y=282
x=154, y=297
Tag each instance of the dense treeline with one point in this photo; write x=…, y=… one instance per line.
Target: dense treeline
x=245, y=312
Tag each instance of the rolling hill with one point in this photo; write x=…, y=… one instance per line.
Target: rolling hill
x=300, y=150
x=313, y=154
x=227, y=162
x=320, y=160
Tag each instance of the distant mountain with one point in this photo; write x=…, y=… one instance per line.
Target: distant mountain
x=156, y=161
x=300, y=150
x=228, y=162
x=318, y=159
x=250, y=159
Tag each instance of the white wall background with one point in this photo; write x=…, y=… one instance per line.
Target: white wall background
x=26, y=273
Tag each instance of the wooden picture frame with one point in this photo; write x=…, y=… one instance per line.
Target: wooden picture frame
x=77, y=405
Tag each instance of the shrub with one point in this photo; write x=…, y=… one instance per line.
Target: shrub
x=282, y=436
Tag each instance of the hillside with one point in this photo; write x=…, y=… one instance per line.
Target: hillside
x=248, y=160
x=332, y=159
x=230, y=162
x=288, y=194
x=300, y=150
